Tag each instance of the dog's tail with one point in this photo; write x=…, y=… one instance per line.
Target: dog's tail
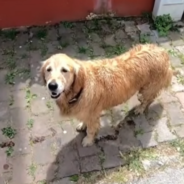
x=168, y=78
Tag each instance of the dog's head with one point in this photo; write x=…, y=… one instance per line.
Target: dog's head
x=59, y=72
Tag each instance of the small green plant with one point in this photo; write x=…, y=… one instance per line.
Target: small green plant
x=11, y=64
x=178, y=144
x=24, y=56
x=82, y=50
x=41, y=33
x=139, y=132
x=134, y=158
x=30, y=123
x=29, y=97
x=10, y=77
x=114, y=50
x=10, y=34
x=102, y=158
x=144, y=39
x=9, y=132
x=9, y=151
x=49, y=105
x=163, y=24
x=68, y=24
x=11, y=102
x=32, y=169
x=62, y=45
x=180, y=78
x=74, y=178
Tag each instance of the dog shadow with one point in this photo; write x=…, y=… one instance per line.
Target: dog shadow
x=134, y=132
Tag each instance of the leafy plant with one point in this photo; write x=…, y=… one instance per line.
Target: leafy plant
x=9, y=132
x=9, y=151
x=143, y=38
x=163, y=24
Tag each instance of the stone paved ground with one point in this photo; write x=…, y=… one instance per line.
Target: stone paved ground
x=37, y=145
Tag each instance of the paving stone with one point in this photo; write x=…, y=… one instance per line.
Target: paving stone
x=95, y=38
x=127, y=139
x=70, y=50
x=19, y=99
x=4, y=114
x=142, y=124
x=163, y=132
x=62, y=181
x=111, y=157
x=120, y=35
x=21, y=165
x=46, y=148
x=166, y=45
x=180, y=48
x=154, y=113
x=153, y=36
x=178, y=42
x=3, y=74
x=110, y=40
x=35, y=65
x=41, y=103
x=175, y=61
x=147, y=139
x=176, y=86
x=5, y=93
x=167, y=97
x=7, y=178
x=174, y=36
x=52, y=34
x=179, y=130
x=91, y=163
x=130, y=26
x=3, y=160
x=22, y=143
x=19, y=117
x=68, y=161
x=180, y=96
x=175, y=115
x=97, y=50
x=144, y=28
x=46, y=172
x=69, y=134
x=86, y=151
x=41, y=125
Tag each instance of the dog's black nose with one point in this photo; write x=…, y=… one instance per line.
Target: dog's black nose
x=53, y=86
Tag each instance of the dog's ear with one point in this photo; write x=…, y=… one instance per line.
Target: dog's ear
x=42, y=71
x=78, y=79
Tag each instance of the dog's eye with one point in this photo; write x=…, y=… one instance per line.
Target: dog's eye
x=49, y=69
x=64, y=70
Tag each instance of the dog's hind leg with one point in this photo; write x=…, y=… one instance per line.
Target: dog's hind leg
x=146, y=96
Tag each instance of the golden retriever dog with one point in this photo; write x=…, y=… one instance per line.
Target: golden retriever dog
x=84, y=89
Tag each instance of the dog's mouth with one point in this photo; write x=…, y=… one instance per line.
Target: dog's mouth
x=55, y=95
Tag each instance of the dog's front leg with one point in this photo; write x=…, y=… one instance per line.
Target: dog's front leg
x=92, y=129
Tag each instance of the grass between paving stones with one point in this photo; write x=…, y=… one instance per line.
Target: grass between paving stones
x=113, y=50
x=30, y=124
x=133, y=167
x=32, y=170
x=29, y=97
x=10, y=133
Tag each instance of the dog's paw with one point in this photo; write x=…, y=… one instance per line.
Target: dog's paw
x=87, y=142
x=139, y=110
x=81, y=127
